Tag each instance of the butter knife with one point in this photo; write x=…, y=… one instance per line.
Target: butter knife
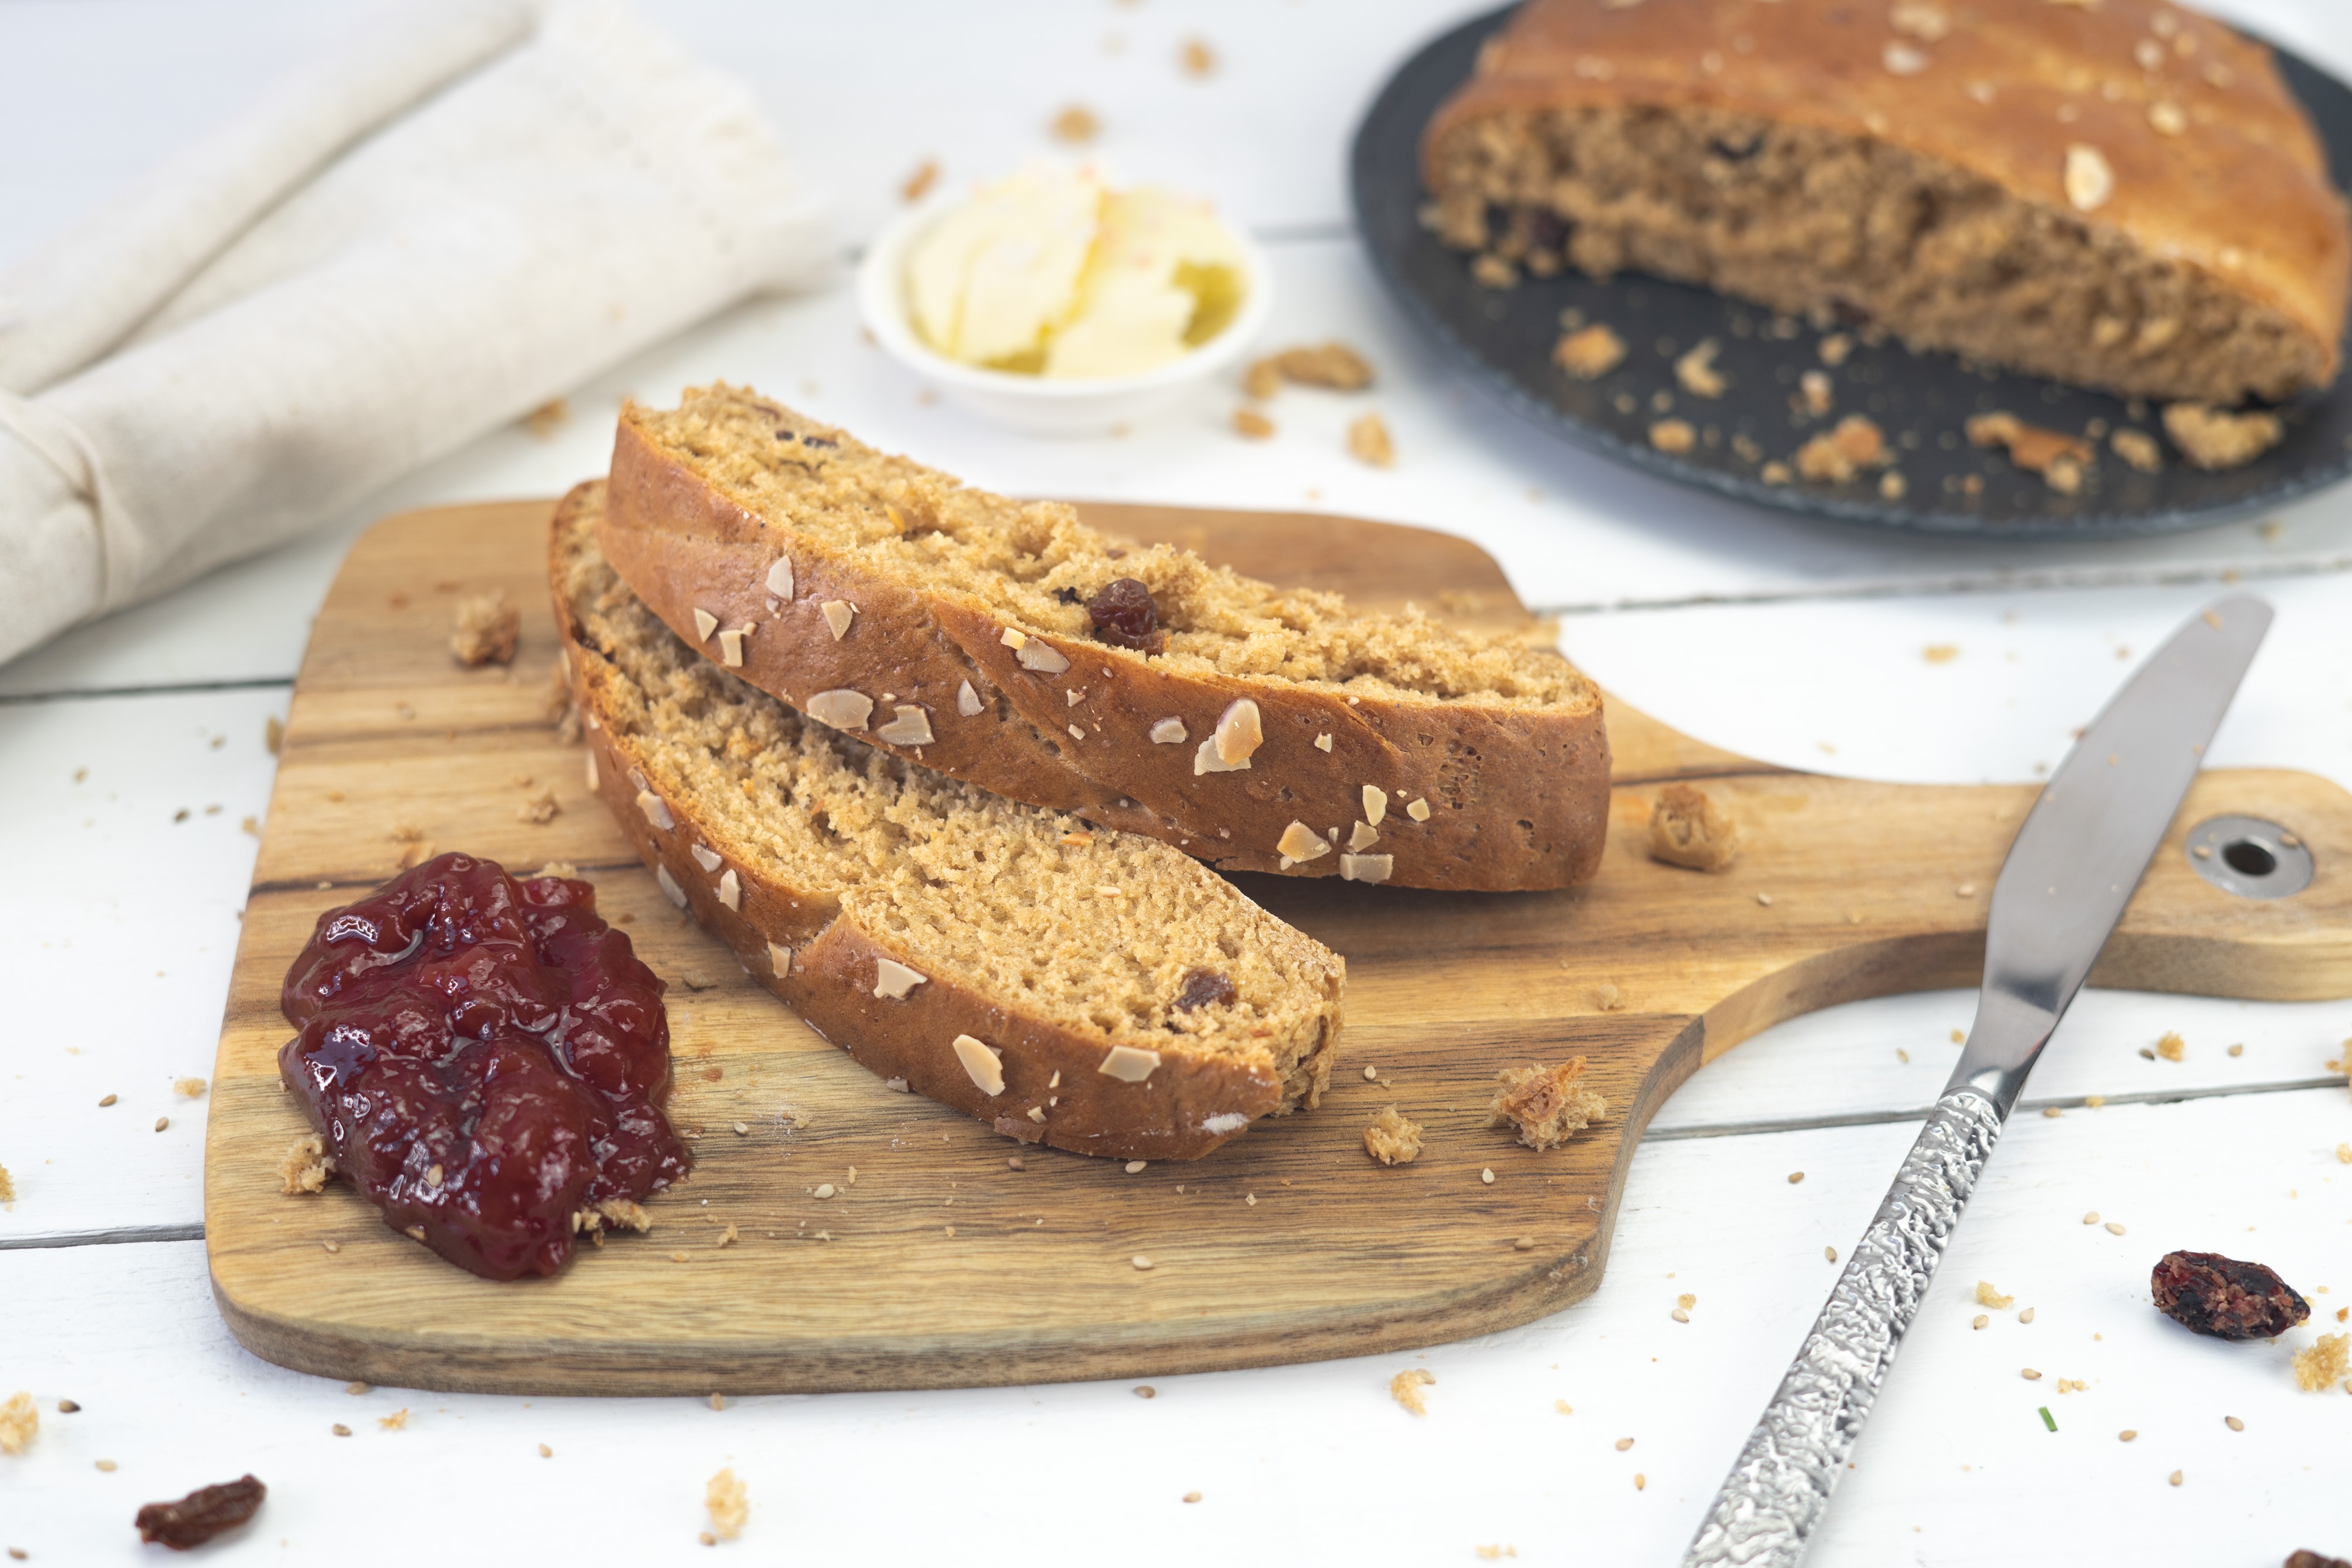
x=2073, y=866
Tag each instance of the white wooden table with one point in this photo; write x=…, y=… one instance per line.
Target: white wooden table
x=130, y=750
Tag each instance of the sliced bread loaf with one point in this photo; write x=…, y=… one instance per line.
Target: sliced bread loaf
x=1088, y=990
x=1007, y=643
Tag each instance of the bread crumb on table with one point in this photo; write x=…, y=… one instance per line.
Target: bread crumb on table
x=2171, y=1047
x=19, y=1421
x=1688, y=828
x=188, y=1088
x=1547, y=1104
x=1333, y=366
x=539, y=809
x=2214, y=439
x=1391, y=1139
x=1988, y=1297
x=1075, y=125
x=395, y=1421
x=1252, y=425
x=2324, y=1364
x=1368, y=438
x=729, y=1503
x=7, y=1186
x=918, y=185
x=305, y=1166
x=487, y=630
x=1405, y=1388
x=1591, y=352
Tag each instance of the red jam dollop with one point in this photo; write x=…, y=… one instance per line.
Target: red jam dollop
x=485, y=1058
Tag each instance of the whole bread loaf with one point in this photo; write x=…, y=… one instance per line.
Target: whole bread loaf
x=1070, y=985
x=1258, y=728
x=2120, y=193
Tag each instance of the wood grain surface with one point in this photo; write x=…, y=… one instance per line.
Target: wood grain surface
x=934, y=1264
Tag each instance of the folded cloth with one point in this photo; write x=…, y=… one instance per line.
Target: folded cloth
x=461, y=214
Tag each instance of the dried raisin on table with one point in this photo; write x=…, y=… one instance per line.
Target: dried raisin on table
x=201, y=1514
x=2208, y=1293
x=1125, y=615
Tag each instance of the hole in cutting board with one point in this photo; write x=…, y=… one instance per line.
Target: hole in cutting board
x=2250, y=857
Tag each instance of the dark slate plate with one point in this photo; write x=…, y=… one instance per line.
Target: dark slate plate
x=1504, y=338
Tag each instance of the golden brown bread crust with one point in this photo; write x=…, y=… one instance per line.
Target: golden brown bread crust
x=1518, y=800
x=1999, y=88
x=1188, y=1105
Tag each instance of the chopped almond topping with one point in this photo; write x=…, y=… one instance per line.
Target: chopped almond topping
x=1376, y=804
x=1169, y=732
x=896, y=981
x=985, y=1066
x=1239, y=733
x=1300, y=843
x=1418, y=811
x=779, y=577
x=1129, y=1064
x=704, y=623
x=838, y=613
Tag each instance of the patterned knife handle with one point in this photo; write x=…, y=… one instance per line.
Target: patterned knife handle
x=1776, y=1492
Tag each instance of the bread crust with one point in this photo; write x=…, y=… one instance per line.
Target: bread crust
x=1518, y=798
x=2241, y=195
x=1053, y=1092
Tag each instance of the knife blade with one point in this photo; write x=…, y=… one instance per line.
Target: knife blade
x=2071, y=869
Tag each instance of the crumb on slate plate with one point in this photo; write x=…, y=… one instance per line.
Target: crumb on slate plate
x=2214, y=438
x=1591, y=352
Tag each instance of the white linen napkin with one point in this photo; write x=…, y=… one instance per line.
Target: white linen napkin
x=464, y=212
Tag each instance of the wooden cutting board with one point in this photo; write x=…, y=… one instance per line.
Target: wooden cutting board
x=934, y=1264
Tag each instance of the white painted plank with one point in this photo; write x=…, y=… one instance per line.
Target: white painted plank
x=120, y=924
x=1316, y=1463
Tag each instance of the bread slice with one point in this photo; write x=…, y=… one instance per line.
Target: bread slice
x=1257, y=728
x=2122, y=194
x=1085, y=989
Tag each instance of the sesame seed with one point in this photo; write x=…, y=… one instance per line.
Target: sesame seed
x=1141, y=1261
x=1134, y=1166
x=1192, y=1497
x=2233, y=1423
x=1145, y=1391
x=2115, y=1227
x=2126, y=1436
x=545, y=1452
x=2173, y=1478
x=1524, y=1244
x=2026, y=1316
x=1623, y=1443
x=1830, y=1253
x=1980, y=1321
x=2091, y=1217
x=1487, y=1177
x=2028, y=1374
x=1679, y=1315
x=340, y=1430
x=162, y=1123
x=1371, y=1075
x=1796, y=1177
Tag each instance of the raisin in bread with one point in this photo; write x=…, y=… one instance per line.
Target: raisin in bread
x=2122, y=194
x=1007, y=643
x=1085, y=989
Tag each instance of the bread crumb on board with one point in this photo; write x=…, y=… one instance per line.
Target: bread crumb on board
x=1591, y=352
x=1688, y=828
x=19, y=1421
x=487, y=629
x=1405, y=1388
x=1547, y=1104
x=729, y=1503
x=1391, y=1139
x=2215, y=439
x=305, y=1166
x=2324, y=1364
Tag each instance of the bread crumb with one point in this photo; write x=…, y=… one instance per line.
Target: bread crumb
x=918, y=185
x=1696, y=372
x=1547, y=1104
x=1252, y=425
x=2061, y=459
x=273, y=733
x=1391, y=1139
x=730, y=1504
x=2324, y=1364
x=1197, y=59
x=1775, y=473
x=543, y=422
x=1491, y=271
x=539, y=809
x=487, y=629
x=7, y=1186
x=1674, y=436
x=1839, y=454
x=2139, y=449
x=19, y=1421
x=1688, y=829
x=1368, y=438
x=1405, y=1388
x=1988, y=1297
x=1075, y=125
x=1333, y=366
x=2214, y=439
x=1591, y=353
x=1941, y=653
x=2171, y=1047
x=305, y=1166
x=395, y=1421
